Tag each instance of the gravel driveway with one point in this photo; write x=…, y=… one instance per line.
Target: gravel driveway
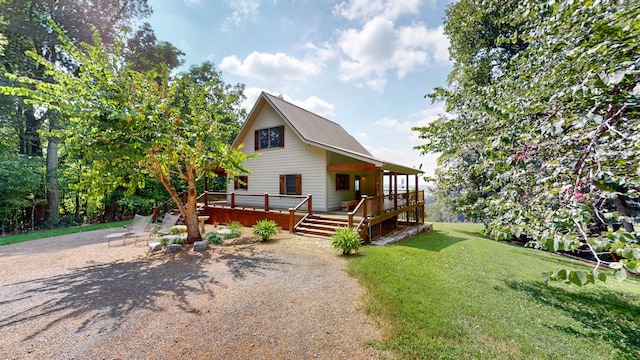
x=74, y=297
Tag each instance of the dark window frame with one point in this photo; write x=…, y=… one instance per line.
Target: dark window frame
x=343, y=182
x=269, y=138
x=289, y=188
x=241, y=182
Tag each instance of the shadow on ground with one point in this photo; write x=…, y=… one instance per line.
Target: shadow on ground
x=109, y=293
x=604, y=314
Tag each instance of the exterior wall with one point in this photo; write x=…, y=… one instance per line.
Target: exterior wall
x=294, y=158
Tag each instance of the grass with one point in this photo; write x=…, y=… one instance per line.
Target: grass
x=454, y=294
x=13, y=239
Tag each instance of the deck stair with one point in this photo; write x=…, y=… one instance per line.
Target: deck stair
x=321, y=226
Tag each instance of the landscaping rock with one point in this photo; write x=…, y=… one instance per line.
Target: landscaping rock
x=173, y=248
x=155, y=246
x=200, y=246
x=223, y=231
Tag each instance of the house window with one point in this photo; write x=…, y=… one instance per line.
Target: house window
x=241, y=182
x=291, y=184
x=269, y=138
x=342, y=182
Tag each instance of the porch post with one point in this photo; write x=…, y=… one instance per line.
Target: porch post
x=379, y=188
x=310, y=204
x=395, y=190
x=266, y=202
x=233, y=200
x=417, y=197
x=292, y=217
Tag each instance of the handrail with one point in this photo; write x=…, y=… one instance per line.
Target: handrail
x=292, y=211
x=362, y=203
x=308, y=198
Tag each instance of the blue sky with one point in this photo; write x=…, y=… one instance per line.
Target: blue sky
x=365, y=64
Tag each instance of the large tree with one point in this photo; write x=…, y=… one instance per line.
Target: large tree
x=28, y=30
x=542, y=138
x=126, y=124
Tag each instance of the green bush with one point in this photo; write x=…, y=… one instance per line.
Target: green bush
x=265, y=229
x=178, y=229
x=172, y=239
x=213, y=238
x=233, y=234
x=234, y=225
x=346, y=239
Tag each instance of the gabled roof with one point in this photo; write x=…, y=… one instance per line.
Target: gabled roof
x=316, y=130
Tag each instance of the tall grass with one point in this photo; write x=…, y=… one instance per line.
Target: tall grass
x=454, y=294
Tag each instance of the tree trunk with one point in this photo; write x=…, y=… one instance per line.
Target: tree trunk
x=191, y=216
x=53, y=201
x=624, y=210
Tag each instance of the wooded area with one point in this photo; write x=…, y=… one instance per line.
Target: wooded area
x=94, y=126
x=540, y=140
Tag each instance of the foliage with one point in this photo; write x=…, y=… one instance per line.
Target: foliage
x=346, y=239
x=172, y=239
x=234, y=233
x=141, y=123
x=234, y=225
x=21, y=181
x=178, y=229
x=454, y=294
x=265, y=229
x=541, y=139
x=213, y=238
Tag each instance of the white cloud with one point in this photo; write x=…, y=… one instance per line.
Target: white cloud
x=311, y=103
x=380, y=47
x=275, y=67
x=241, y=10
x=366, y=9
x=192, y=2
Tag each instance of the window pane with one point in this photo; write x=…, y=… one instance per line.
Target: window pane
x=274, y=136
x=264, y=138
x=290, y=184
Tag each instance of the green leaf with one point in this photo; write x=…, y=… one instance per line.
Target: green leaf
x=578, y=278
x=616, y=265
x=620, y=274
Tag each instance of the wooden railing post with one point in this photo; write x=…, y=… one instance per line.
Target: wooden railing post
x=364, y=206
x=206, y=198
x=350, y=216
x=266, y=202
x=155, y=214
x=233, y=200
x=292, y=219
x=310, y=205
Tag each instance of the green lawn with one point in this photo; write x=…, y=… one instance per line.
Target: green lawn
x=454, y=294
x=57, y=232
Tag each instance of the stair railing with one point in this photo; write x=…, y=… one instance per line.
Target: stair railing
x=292, y=211
x=360, y=208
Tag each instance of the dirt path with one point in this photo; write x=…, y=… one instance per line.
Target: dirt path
x=73, y=297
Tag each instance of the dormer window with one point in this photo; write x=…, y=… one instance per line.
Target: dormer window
x=269, y=138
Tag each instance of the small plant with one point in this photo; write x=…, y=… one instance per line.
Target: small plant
x=213, y=238
x=265, y=229
x=234, y=225
x=172, y=239
x=346, y=239
x=178, y=229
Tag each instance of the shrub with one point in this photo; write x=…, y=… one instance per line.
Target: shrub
x=234, y=225
x=233, y=234
x=346, y=239
x=213, y=238
x=265, y=229
x=172, y=239
x=178, y=229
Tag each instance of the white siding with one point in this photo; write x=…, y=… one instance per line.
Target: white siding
x=295, y=158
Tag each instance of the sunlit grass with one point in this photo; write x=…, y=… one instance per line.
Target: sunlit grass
x=57, y=232
x=454, y=294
